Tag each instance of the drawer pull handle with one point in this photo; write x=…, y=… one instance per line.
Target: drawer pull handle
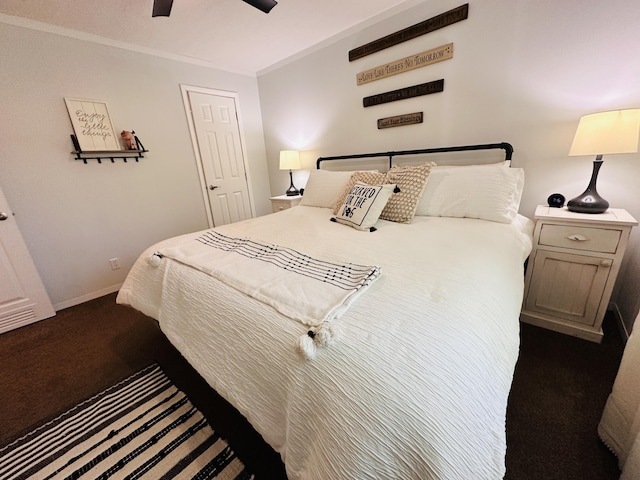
x=606, y=263
x=577, y=238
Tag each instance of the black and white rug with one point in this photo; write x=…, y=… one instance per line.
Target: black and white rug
x=142, y=427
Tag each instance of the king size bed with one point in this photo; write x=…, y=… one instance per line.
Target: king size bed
x=399, y=368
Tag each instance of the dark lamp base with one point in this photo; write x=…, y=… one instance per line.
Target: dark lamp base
x=590, y=201
x=292, y=191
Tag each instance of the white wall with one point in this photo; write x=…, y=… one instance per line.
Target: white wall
x=74, y=217
x=523, y=71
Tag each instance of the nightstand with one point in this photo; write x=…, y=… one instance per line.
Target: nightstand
x=572, y=269
x=282, y=202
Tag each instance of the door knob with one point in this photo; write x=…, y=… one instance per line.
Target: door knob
x=3, y=216
x=213, y=187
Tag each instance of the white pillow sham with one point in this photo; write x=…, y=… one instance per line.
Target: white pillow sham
x=479, y=191
x=324, y=187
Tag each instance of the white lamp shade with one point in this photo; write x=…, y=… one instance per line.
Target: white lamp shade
x=289, y=160
x=607, y=132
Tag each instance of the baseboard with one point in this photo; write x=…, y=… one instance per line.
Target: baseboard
x=88, y=297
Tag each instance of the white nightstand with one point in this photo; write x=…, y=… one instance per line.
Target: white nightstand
x=282, y=202
x=572, y=269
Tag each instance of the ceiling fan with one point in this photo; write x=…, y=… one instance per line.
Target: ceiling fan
x=162, y=8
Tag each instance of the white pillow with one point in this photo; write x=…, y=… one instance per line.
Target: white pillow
x=363, y=205
x=324, y=187
x=478, y=191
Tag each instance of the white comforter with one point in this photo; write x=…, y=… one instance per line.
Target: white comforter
x=416, y=386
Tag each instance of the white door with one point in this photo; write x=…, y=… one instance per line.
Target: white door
x=219, y=145
x=23, y=299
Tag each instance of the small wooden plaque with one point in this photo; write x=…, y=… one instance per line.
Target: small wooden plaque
x=419, y=60
x=404, y=93
x=440, y=21
x=400, y=120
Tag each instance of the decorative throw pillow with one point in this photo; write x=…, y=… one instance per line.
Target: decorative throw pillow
x=368, y=177
x=473, y=192
x=363, y=204
x=411, y=180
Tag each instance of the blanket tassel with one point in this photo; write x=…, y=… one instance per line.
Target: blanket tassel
x=323, y=336
x=155, y=259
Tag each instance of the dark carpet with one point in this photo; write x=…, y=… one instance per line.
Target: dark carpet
x=560, y=387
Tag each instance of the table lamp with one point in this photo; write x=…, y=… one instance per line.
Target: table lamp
x=290, y=160
x=599, y=134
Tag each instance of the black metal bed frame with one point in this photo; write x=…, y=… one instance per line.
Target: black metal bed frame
x=508, y=152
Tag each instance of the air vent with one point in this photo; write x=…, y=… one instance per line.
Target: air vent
x=17, y=319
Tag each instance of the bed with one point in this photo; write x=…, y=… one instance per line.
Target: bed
x=407, y=375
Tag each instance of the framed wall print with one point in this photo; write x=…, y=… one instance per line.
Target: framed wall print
x=92, y=125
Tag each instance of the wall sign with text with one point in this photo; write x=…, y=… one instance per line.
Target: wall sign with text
x=404, y=93
x=435, y=55
x=92, y=125
x=400, y=120
x=440, y=21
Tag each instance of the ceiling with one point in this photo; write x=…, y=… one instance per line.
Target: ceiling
x=226, y=34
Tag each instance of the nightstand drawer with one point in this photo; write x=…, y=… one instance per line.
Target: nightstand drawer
x=580, y=238
x=283, y=202
x=279, y=205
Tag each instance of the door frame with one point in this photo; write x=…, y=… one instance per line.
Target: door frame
x=185, y=89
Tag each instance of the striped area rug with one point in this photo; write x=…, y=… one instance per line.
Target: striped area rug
x=143, y=427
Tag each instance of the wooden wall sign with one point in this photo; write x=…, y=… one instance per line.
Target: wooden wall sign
x=400, y=120
x=435, y=55
x=404, y=93
x=440, y=21
x=92, y=125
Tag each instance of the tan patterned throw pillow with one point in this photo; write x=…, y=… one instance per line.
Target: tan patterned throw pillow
x=370, y=177
x=411, y=180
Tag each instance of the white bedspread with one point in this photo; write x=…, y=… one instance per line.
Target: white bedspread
x=416, y=386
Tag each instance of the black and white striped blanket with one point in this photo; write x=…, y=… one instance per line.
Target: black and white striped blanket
x=140, y=428
x=297, y=285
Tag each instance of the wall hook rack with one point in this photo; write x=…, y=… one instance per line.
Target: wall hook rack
x=112, y=155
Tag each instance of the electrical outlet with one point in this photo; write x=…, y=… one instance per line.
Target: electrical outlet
x=115, y=263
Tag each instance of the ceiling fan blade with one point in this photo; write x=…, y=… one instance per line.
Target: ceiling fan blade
x=161, y=8
x=264, y=5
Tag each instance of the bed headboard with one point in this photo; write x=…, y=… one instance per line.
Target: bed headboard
x=508, y=152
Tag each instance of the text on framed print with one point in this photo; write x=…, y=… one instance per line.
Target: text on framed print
x=92, y=125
